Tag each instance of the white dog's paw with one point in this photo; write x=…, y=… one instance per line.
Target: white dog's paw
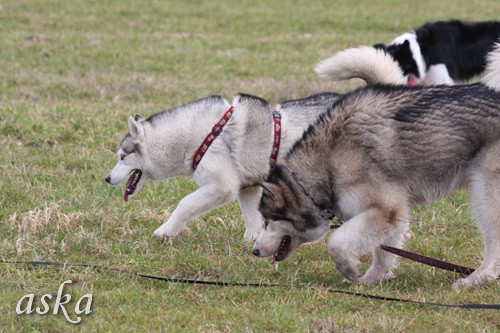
x=165, y=230
x=251, y=235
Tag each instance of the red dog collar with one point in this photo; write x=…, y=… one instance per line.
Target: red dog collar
x=277, y=138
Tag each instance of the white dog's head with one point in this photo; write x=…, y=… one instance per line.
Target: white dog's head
x=131, y=159
x=290, y=217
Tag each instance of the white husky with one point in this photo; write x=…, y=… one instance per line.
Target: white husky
x=163, y=146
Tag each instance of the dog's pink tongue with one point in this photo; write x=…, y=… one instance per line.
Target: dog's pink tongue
x=411, y=81
x=129, y=183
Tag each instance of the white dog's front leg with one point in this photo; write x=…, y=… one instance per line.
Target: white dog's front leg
x=200, y=201
x=249, y=199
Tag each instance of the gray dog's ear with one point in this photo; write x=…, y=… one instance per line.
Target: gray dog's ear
x=138, y=118
x=135, y=129
x=272, y=195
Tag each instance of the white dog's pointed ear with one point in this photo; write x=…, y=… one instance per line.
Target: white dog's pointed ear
x=135, y=129
x=138, y=118
x=272, y=195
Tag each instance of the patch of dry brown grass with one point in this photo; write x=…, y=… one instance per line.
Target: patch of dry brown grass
x=38, y=219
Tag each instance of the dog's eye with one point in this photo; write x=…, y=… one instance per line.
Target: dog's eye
x=122, y=157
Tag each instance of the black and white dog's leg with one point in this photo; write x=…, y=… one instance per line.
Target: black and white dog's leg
x=438, y=74
x=204, y=199
x=249, y=199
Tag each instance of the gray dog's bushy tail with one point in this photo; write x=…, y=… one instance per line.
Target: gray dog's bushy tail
x=492, y=77
x=364, y=62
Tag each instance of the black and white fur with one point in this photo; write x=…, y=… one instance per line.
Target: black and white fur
x=444, y=52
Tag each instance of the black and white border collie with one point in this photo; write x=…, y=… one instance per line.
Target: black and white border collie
x=445, y=51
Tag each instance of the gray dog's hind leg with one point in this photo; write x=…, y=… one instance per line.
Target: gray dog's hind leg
x=485, y=197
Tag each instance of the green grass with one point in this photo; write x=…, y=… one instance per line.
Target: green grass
x=70, y=74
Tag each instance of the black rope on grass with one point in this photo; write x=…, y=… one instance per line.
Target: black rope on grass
x=238, y=284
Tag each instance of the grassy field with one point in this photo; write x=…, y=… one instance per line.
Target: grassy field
x=70, y=74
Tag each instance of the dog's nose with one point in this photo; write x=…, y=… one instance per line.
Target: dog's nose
x=107, y=179
x=255, y=251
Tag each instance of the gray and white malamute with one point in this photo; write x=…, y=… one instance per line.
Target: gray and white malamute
x=377, y=152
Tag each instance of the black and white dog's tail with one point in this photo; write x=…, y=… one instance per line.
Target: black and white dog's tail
x=364, y=62
x=492, y=77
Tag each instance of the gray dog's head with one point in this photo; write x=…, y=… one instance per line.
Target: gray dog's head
x=290, y=217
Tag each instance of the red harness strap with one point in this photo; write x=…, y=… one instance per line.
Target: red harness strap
x=277, y=138
x=216, y=130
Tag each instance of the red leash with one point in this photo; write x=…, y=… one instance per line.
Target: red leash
x=427, y=260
